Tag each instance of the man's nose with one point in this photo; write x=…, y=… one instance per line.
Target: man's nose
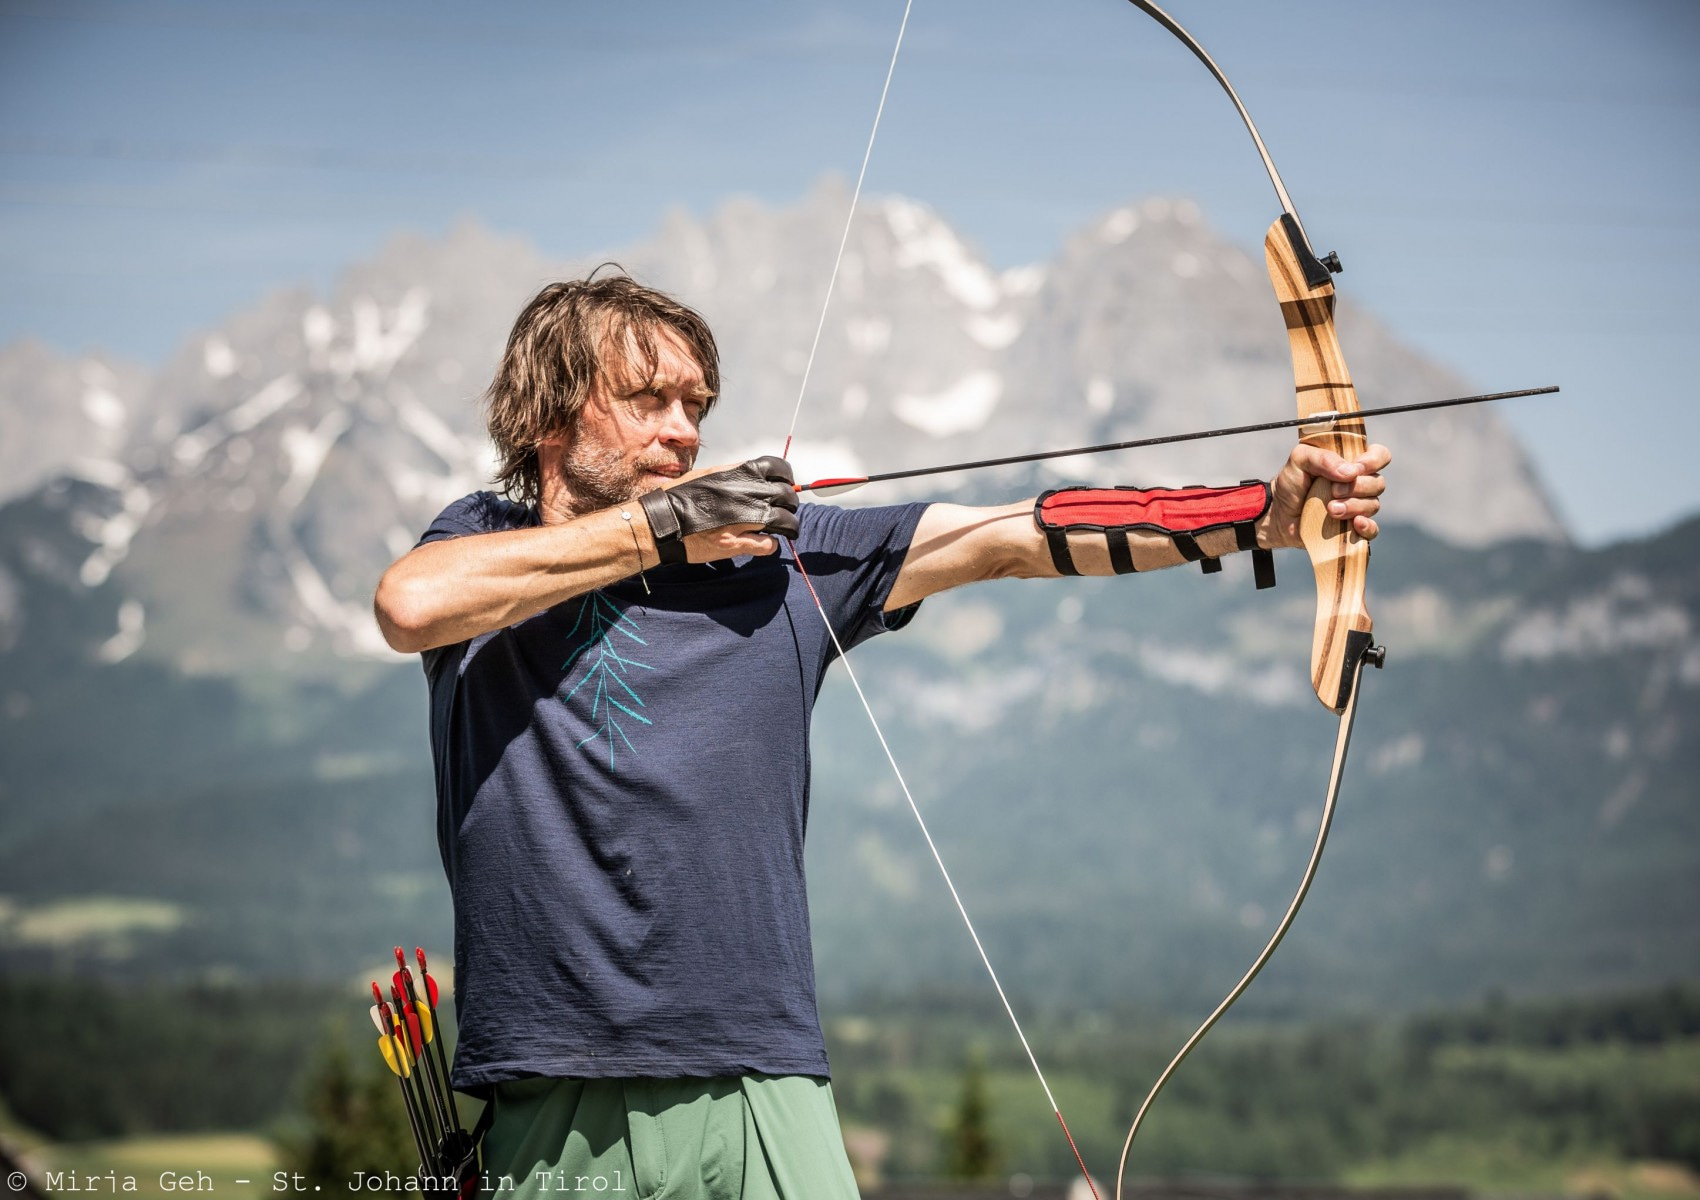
x=677, y=428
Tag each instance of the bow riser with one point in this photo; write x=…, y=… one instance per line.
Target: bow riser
x=1322, y=384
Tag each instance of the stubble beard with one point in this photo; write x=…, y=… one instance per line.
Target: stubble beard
x=596, y=477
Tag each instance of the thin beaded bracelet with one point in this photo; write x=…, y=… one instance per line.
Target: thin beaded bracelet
x=638, y=547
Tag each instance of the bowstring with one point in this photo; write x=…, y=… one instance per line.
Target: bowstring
x=844, y=238
x=1336, y=773
x=944, y=871
x=867, y=708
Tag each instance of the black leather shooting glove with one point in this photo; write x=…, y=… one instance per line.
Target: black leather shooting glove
x=759, y=492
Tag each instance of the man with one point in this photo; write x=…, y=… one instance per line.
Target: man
x=622, y=661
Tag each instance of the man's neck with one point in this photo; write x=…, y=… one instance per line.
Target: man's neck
x=559, y=502
x=556, y=500
x=556, y=505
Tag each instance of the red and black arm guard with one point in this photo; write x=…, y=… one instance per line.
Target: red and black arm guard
x=1180, y=514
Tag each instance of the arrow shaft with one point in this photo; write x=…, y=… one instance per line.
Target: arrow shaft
x=412, y=1050
x=1198, y=436
x=391, y=1041
x=442, y=1064
x=413, y=1121
x=431, y=1049
x=433, y=1087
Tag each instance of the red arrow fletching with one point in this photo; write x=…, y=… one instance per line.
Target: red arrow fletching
x=833, y=487
x=425, y=973
x=405, y=1033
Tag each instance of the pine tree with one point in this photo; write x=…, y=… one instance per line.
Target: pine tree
x=973, y=1155
x=356, y=1122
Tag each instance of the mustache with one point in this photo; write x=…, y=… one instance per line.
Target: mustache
x=683, y=460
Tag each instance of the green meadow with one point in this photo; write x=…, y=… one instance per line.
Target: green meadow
x=157, y=1090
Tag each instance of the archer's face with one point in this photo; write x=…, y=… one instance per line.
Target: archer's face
x=635, y=433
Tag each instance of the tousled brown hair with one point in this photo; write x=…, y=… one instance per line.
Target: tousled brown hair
x=558, y=351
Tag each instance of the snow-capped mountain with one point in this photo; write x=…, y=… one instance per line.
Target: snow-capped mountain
x=206, y=753
x=253, y=487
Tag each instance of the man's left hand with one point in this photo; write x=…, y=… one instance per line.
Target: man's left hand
x=710, y=515
x=1356, y=489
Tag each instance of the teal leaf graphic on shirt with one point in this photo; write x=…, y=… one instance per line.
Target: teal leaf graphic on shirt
x=602, y=628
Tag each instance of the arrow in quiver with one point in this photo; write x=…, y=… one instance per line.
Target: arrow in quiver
x=410, y=1041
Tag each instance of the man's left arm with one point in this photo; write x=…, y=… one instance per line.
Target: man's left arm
x=954, y=544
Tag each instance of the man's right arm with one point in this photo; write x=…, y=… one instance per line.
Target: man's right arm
x=456, y=588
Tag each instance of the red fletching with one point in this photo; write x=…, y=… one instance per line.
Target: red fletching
x=403, y=1022
x=412, y=992
x=833, y=487
x=384, y=1009
x=425, y=974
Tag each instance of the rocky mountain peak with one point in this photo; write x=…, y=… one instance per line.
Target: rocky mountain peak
x=255, y=485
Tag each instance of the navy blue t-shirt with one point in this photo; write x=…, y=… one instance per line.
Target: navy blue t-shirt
x=622, y=794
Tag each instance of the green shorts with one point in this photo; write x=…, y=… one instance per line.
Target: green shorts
x=761, y=1137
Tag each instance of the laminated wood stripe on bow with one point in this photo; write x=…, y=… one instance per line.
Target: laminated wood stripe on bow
x=1322, y=384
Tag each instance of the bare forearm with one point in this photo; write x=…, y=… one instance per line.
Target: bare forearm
x=451, y=590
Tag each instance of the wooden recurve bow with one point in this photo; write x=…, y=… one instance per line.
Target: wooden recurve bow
x=1343, y=640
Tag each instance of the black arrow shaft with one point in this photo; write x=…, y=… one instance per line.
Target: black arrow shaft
x=426, y=1065
x=1171, y=438
x=419, y=1141
x=436, y=1047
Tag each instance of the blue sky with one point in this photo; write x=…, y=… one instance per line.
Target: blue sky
x=1512, y=183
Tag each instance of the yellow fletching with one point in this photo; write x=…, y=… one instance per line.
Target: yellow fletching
x=425, y=1030
x=386, y=1046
